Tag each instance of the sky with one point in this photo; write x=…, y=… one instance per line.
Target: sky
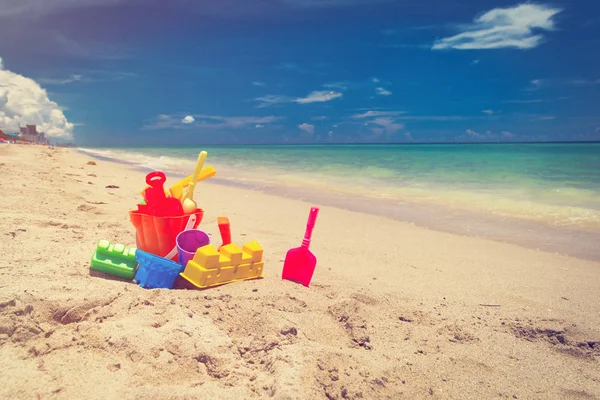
x=149, y=72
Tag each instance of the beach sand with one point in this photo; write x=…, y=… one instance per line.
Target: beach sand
x=393, y=311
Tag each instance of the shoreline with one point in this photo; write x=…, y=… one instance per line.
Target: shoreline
x=394, y=310
x=581, y=243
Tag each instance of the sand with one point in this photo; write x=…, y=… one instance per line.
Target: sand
x=394, y=310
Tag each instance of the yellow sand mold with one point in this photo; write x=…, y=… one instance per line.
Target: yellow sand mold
x=210, y=267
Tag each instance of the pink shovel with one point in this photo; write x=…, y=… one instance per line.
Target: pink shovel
x=300, y=263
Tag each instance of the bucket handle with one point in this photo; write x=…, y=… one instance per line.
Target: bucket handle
x=188, y=226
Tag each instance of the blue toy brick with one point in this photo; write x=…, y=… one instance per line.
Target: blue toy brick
x=156, y=272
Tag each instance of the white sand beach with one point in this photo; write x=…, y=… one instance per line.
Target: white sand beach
x=393, y=311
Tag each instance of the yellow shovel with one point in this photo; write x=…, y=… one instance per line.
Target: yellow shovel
x=188, y=203
x=177, y=189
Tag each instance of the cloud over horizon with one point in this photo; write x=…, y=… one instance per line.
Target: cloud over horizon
x=23, y=101
x=472, y=135
x=308, y=128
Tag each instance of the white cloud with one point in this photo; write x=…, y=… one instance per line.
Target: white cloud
x=409, y=136
x=314, y=97
x=308, y=128
x=54, y=81
x=389, y=125
x=488, y=112
x=166, y=121
x=258, y=83
x=259, y=126
x=383, y=91
x=188, y=119
x=23, y=101
x=90, y=75
x=504, y=28
x=216, y=121
x=403, y=46
x=319, y=118
x=537, y=84
x=163, y=121
x=583, y=82
x=385, y=121
x=475, y=62
x=372, y=114
x=337, y=85
x=375, y=80
x=401, y=116
x=471, y=135
x=272, y=99
x=318, y=97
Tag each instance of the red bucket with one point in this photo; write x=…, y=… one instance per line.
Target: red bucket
x=157, y=235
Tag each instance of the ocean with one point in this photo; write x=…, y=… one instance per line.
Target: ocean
x=540, y=195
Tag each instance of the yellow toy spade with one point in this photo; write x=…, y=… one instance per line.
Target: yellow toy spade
x=188, y=203
x=178, y=188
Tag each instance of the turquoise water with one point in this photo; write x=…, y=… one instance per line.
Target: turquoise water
x=554, y=183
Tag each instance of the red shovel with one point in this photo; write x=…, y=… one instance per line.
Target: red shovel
x=300, y=263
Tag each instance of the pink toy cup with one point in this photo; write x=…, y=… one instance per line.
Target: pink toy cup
x=157, y=235
x=188, y=242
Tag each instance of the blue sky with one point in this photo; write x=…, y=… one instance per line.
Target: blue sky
x=127, y=72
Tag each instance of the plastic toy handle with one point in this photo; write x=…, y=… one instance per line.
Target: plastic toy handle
x=177, y=189
x=199, y=164
x=156, y=178
x=225, y=229
x=312, y=219
x=188, y=226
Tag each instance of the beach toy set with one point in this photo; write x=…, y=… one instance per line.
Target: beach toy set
x=170, y=251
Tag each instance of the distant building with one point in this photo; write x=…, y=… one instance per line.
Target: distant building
x=29, y=133
x=32, y=134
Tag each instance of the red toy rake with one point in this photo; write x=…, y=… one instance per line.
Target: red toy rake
x=300, y=263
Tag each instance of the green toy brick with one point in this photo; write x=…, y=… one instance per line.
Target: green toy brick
x=114, y=259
